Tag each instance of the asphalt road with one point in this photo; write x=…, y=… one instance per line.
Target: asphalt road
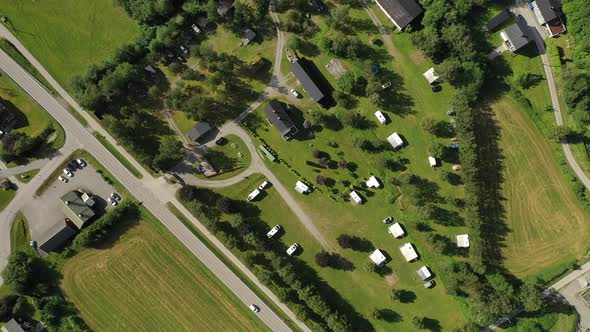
x=151, y=200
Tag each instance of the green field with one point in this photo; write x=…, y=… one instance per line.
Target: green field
x=146, y=280
x=225, y=158
x=69, y=35
x=5, y=197
x=19, y=233
x=28, y=176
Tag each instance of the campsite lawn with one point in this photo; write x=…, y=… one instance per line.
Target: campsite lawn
x=146, y=280
x=225, y=158
x=67, y=36
x=539, y=202
x=19, y=233
x=5, y=197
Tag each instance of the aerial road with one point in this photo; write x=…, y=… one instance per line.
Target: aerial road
x=151, y=200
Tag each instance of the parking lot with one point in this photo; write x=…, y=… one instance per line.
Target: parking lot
x=45, y=214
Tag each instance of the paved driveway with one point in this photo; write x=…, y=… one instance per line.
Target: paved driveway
x=45, y=214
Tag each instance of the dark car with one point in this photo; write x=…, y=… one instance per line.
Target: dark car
x=388, y=220
x=436, y=88
x=221, y=141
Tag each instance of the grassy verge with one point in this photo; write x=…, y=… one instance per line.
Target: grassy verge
x=26, y=177
x=174, y=210
x=6, y=197
x=225, y=158
x=118, y=155
x=19, y=233
x=23, y=62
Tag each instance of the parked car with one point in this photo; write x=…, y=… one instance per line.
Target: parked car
x=295, y=93
x=263, y=185
x=386, y=85
x=68, y=172
x=436, y=88
x=388, y=220
x=429, y=284
x=451, y=112
x=112, y=201
x=254, y=308
x=221, y=141
x=273, y=231
x=33, y=244
x=196, y=28
x=81, y=163
x=116, y=197
x=292, y=249
x=184, y=49
x=62, y=179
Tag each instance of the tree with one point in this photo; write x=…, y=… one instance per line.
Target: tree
x=343, y=164
x=52, y=309
x=27, y=273
x=560, y=133
x=316, y=153
x=419, y=322
x=225, y=205
x=320, y=179
x=376, y=314
x=7, y=304
x=176, y=67
x=187, y=193
x=307, y=124
x=345, y=241
x=529, y=297
x=295, y=43
x=396, y=294
x=429, y=125
x=445, y=175
x=323, y=258
x=339, y=18
x=170, y=153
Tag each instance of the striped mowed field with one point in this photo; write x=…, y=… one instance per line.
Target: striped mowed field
x=147, y=281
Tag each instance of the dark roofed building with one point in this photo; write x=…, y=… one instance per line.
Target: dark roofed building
x=498, y=20
x=302, y=72
x=78, y=207
x=224, y=7
x=12, y=326
x=400, y=12
x=58, y=240
x=198, y=130
x=548, y=13
x=7, y=119
x=517, y=35
x=279, y=118
x=247, y=35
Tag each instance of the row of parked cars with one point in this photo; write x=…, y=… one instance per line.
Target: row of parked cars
x=71, y=167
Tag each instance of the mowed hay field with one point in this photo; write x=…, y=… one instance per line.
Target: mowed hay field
x=66, y=36
x=147, y=281
x=546, y=224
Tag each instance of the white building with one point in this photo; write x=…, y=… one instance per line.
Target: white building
x=462, y=240
x=381, y=117
x=408, y=252
x=253, y=194
x=355, y=197
x=378, y=258
x=395, y=140
x=372, y=182
x=432, y=161
x=424, y=273
x=301, y=187
x=396, y=230
x=430, y=76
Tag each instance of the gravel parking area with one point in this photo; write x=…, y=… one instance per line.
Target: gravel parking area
x=45, y=214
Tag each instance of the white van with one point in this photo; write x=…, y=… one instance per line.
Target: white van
x=273, y=231
x=253, y=194
x=381, y=117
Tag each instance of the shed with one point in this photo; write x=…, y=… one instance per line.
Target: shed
x=247, y=35
x=424, y=273
x=378, y=258
x=301, y=187
x=396, y=230
x=432, y=161
x=400, y=12
x=198, y=130
x=372, y=182
x=395, y=140
x=12, y=326
x=430, y=76
x=355, y=197
x=408, y=251
x=498, y=20
x=381, y=117
x=462, y=240
x=224, y=7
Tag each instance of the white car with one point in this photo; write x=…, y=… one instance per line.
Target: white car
x=196, y=28
x=254, y=308
x=116, y=197
x=81, y=163
x=183, y=49
x=273, y=231
x=293, y=248
x=68, y=172
x=112, y=201
x=62, y=179
x=263, y=185
x=295, y=93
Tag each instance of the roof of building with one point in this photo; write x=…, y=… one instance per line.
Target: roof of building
x=432, y=161
x=462, y=240
x=408, y=251
x=224, y=6
x=395, y=140
x=58, y=240
x=401, y=12
x=424, y=273
x=301, y=71
x=76, y=209
x=547, y=10
x=353, y=194
x=198, y=130
x=301, y=187
x=498, y=20
x=279, y=118
x=372, y=182
x=12, y=326
x=247, y=35
x=87, y=199
x=396, y=230
x=518, y=33
x=430, y=76
x=378, y=257
x=203, y=21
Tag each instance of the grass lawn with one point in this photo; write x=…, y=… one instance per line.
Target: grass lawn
x=118, y=155
x=146, y=280
x=19, y=233
x=5, y=197
x=539, y=202
x=28, y=176
x=69, y=35
x=225, y=158
x=23, y=62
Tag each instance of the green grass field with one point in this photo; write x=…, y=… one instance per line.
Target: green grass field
x=13, y=52
x=28, y=176
x=67, y=36
x=5, y=197
x=19, y=233
x=147, y=280
x=225, y=158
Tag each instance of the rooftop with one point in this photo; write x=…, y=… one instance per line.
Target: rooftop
x=12, y=326
x=518, y=34
x=430, y=76
x=378, y=257
x=424, y=273
x=401, y=12
x=547, y=10
x=408, y=251
x=279, y=118
x=395, y=140
x=76, y=209
x=198, y=130
x=302, y=72
x=396, y=230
